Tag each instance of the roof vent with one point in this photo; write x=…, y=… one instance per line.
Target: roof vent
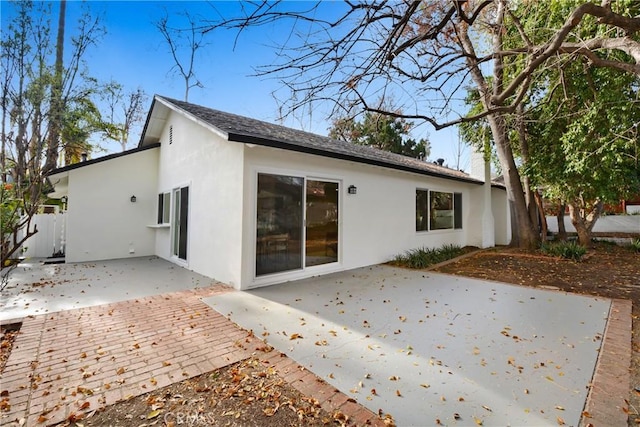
x=84, y=156
x=440, y=162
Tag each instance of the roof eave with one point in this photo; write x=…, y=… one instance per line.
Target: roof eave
x=252, y=139
x=101, y=159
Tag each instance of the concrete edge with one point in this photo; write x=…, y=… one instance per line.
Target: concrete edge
x=607, y=400
x=456, y=259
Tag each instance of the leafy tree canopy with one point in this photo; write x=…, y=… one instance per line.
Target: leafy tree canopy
x=381, y=131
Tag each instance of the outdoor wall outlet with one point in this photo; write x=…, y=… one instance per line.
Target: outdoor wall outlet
x=132, y=251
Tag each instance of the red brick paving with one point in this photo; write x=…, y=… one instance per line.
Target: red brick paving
x=84, y=359
x=606, y=404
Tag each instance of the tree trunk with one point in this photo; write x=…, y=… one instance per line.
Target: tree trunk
x=583, y=222
x=524, y=234
x=542, y=218
x=562, y=231
x=55, y=114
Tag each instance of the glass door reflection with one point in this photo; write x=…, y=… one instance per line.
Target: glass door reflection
x=279, y=223
x=321, y=245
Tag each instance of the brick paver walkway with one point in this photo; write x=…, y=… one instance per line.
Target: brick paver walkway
x=84, y=359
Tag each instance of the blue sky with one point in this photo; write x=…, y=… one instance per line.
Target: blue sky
x=134, y=53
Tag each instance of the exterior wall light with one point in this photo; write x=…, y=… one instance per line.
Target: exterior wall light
x=352, y=189
x=133, y=199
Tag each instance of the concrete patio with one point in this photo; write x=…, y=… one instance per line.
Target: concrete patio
x=418, y=345
x=431, y=348
x=37, y=288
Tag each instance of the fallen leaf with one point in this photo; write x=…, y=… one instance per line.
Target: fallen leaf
x=151, y=415
x=560, y=421
x=120, y=371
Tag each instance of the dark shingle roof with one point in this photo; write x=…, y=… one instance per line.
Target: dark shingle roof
x=247, y=130
x=103, y=158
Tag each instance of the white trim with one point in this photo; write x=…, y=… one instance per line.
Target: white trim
x=193, y=118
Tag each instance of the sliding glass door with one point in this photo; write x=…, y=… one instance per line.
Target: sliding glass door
x=297, y=223
x=180, y=222
x=279, y=233
x=321, y=243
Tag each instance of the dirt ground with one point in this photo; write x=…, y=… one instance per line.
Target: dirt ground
x=249, y=394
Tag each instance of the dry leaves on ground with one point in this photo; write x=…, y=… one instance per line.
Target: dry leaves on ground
x=242, y=394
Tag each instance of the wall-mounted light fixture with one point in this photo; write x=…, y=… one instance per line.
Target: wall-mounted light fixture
x=352, y=189
x=133, y=199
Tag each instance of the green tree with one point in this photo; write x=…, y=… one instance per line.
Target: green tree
x=584, y=145
x=382, y=132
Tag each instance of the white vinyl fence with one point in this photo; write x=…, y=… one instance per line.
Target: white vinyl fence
x=49, y=239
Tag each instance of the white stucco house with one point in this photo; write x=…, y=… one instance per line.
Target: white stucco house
x=251, y=203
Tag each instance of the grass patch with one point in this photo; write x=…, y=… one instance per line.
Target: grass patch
x=568, y=250
x=425, y=257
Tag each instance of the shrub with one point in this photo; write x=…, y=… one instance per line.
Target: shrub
x=635, y=245
x=424, y=257
x=568, y=250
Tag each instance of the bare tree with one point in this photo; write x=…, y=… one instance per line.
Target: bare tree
x=426, y=54
x=125, y=110
x=180, y=40
x=37, y=94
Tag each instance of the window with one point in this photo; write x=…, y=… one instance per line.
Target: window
x=441, y=210
x=164, y=208
x=422, y=212
x=438, y=210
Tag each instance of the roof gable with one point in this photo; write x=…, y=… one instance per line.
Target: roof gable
x=251, y=131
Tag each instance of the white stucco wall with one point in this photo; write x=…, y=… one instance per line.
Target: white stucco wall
x=375, y=224
x=212, y=169
x=501, y=216
x=102, y=222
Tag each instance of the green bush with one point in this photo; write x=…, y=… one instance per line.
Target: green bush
x=568, y=250
x=635, y=245
x=424, y=257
